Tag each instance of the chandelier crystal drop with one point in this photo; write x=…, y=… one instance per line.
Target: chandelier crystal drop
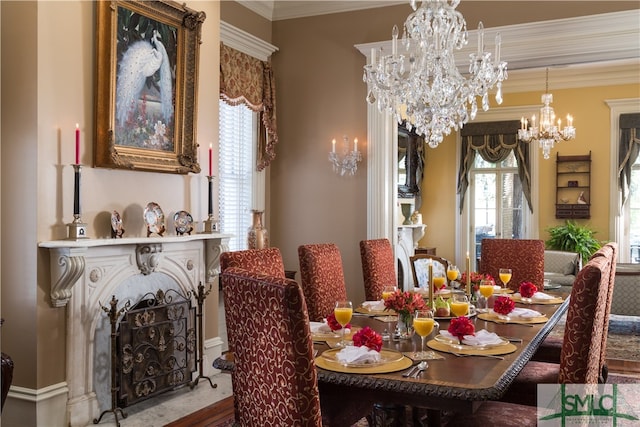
x=422, y=83
x=546, y=133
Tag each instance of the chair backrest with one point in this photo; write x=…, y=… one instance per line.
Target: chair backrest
x=266, y=261
x=583, y=334
x=378, y=267
x=274, y=378
x=525, y=258
x=322, y=278
x=609, y=250
x=420, y=268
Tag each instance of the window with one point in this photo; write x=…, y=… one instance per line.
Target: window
x=497, y=201
x=238, y=135
x=632, y=213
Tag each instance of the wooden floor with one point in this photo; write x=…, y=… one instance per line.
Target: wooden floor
x=220, y=414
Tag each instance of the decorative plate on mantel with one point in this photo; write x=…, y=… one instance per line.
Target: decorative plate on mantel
x=154, y=218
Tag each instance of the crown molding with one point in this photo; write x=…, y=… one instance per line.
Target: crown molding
x=279, y=10
x=592, y=50
x=244, y=42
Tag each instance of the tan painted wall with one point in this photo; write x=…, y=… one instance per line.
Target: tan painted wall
x=48, y=86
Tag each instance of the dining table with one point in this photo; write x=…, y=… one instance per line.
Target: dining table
x=454, y=382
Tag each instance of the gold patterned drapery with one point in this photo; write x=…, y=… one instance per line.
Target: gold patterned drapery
x=628, y=151
x=493, y=141
x=247, y=80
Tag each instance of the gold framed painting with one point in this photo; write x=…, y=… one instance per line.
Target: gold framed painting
x=146, y=86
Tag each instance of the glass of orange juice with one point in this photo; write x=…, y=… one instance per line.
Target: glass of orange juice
x=505, y=277
x=452, y=273
x=387, y=291
x=486, y=290
x=423, y=324
x=439, y=282
x=343, y=312
x=459, y=304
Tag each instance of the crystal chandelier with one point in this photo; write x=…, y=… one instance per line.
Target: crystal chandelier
x=345, y=163
x=422, y=84
x=546, y=133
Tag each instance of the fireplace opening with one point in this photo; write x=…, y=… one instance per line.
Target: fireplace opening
x=155, y=346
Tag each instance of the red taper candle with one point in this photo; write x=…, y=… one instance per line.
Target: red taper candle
x=77, y=144
x=210, y=157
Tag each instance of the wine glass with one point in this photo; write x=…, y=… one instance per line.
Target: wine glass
x=439, y=282
x=452, y=273
x=505, y=277
x=343, y=312
x=387, y=291
x=423, y=324
x=486, y=290
x=459, y=305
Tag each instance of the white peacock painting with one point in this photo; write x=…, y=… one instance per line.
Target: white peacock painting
x=144, y=111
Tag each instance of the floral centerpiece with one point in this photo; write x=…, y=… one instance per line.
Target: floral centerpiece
x=367, y=337
x=503, y=305
x=405, y=304
x=527, y=289
x=476, y=278
x=333, y=323
x=461, y=326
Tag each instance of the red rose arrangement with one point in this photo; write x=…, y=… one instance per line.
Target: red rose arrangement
x=476, y=278
x=527, y=289
x=503, y=305
x=461, y=326
x=367, y=337
x=404, y=303
x=333, y=323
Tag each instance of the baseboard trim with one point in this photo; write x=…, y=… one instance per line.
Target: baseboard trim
x=39, y=395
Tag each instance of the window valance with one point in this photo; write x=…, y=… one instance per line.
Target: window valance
x=493, y=141
x=247, y=80
x=628, y=151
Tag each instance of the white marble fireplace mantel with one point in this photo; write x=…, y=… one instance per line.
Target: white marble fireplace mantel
x=68, y=257
x=87, y=273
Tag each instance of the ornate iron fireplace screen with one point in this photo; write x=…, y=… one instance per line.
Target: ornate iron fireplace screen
x=156, y=345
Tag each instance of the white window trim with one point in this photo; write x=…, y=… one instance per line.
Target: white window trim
x=616, y=216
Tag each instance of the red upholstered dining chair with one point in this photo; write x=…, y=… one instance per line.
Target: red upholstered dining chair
x=266, y=261
x=551, y=347
x=322, y=278
x=525, y=258
x=378, y=267
x=274, y=378
x=580, y=356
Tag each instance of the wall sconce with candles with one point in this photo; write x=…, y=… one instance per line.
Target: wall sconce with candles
x=546, y=132
x=345, y=162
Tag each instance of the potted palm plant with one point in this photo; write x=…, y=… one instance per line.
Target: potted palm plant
x=572, y=237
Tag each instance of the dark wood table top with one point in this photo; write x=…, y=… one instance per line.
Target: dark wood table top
x=453, y=383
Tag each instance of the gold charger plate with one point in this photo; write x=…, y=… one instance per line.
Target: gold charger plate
x=492, y=317
x=493, y=351
x=363, y=310
x=396, y=362
x=503, y=291
x=532, y=301
x=334, y=336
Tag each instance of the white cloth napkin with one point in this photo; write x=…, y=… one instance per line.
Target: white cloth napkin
x=482, y=337
x=353, y=354
x=540, y=296
x=374, y=305
x=323, y=328
x=524, y=313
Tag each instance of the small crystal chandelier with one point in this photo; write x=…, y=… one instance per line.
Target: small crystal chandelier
x=546, y=133
x=345, y=163
x=423, y=85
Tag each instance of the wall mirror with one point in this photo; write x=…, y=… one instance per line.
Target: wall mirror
x=410, y=163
